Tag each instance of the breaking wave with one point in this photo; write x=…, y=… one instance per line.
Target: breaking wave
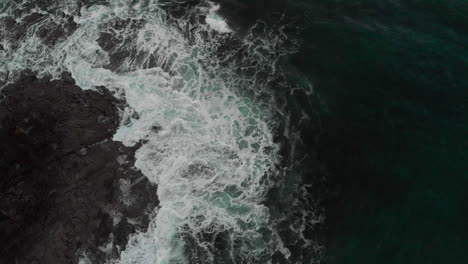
x=200, y=101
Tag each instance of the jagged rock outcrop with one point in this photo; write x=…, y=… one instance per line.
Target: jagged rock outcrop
x=65, y=187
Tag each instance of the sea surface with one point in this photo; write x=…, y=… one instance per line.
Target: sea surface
x=394, y=78
x=277, y=131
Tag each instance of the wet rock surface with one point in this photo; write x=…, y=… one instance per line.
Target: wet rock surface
x=66, y=189
x=118, y=40
x=47, y=29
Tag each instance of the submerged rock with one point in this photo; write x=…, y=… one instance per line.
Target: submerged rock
x=49, y=30
x=66, y=189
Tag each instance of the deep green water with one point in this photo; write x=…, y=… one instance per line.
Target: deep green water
x=388, y=124
x=393, y=76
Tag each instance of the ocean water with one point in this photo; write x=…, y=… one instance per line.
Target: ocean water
x=394, y=77
x=318, y=131
x=201, y=100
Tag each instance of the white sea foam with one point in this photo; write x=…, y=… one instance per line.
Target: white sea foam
x=214, y=159
x=215, y=21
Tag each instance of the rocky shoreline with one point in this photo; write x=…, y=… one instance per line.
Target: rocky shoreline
x=67, y=189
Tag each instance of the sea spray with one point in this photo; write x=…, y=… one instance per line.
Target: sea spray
x=207, y=93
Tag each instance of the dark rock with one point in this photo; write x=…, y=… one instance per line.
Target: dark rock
x=53, y=32
x=156, y=128
x=67, y=78
x=49, y=32
x=65, y=186
x=118, y=39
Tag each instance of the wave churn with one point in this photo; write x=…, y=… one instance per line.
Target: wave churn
x=206, y=115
